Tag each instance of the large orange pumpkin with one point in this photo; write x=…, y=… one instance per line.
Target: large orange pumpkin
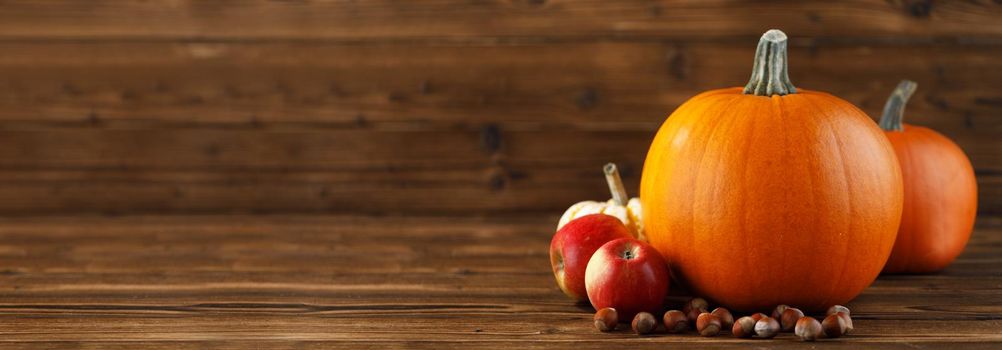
x=941, y=194
x=771, y=194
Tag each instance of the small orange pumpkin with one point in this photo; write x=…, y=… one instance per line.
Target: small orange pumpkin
x=941, y=194
x=770, y=194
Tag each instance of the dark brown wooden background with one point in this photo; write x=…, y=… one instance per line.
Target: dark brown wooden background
x=440, y=139
x=431, y=107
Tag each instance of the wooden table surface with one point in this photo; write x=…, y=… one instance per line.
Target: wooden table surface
x=375, y=282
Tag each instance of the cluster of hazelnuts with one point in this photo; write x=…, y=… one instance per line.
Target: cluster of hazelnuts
x=710, y=323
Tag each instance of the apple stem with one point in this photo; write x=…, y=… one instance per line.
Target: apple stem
x=615, y=184
x=628, y=254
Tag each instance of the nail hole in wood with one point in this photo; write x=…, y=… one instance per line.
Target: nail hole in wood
x=490, y=138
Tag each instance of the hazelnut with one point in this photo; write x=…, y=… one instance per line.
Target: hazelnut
x=694, y=307
x=675, y=321
x=789, y=319
x=837, y=308
x=726, y=318
x=834, y=326
x=777, y=313
x=708, y=324
x=767, y=327
x=696, y=303
x=848, y=321
x=808, y=329
x=644, y=323
x=692, y=315
x=606, y=319
x=744, y=327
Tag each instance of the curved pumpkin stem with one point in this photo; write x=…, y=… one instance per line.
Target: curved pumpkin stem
x=615, y=184
x=769, y=76
x=894, y=109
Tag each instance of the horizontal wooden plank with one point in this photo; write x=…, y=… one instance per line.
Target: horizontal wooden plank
x=455, y=19
x=633, y=343
x=203, y=170
x=595, y=85
x=336, y=170
x=460, y=281
x=444, y=329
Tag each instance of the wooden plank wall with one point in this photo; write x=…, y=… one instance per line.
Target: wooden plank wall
x=431, y=107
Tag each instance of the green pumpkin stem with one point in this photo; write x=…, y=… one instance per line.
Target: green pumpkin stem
x=894, y=109
x=615, y=184
x=769, y=76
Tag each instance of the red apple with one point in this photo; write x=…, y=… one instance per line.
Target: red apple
x=628, y=275
x=573, y=245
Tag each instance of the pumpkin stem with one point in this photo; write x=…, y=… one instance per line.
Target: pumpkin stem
x=769, y=76
x=615, y=184
x=894, y=109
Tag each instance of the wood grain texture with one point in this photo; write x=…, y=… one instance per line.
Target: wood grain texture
x=458, y=19
x=125, y=127
x=440, y=107
x=373, y=282
x=461, y=112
